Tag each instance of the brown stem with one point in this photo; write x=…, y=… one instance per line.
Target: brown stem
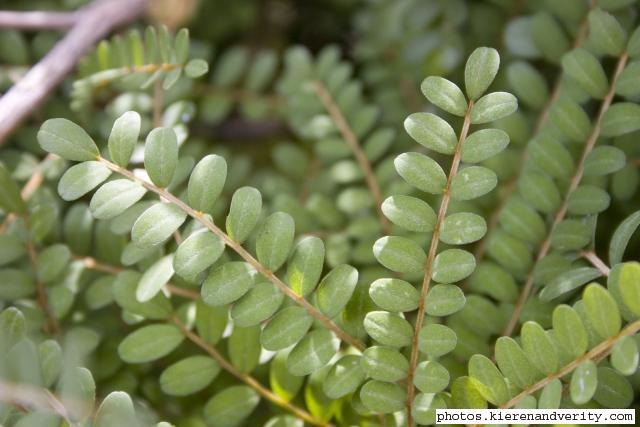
x=598, y=352
x=351, y=139
x=33, y=397
x=250, y=381
x=51, y=325
x=575, y=181
x=37, y=20
x=93, y=23
x=236, y=247
x=596, y=261
x=428, y=270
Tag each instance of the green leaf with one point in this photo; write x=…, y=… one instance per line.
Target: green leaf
x=432, y=132
x=10, y=198
x=627, y=83
x=483, y=144
x=585, y=69
x=196, y=68
x=605, y=33
x=633, y=47
x=493, y=106
x=228, y=283
x=528, y=84
x=116, y=410
x=189, y=375
x=453, y=265
x=568, y=281
x=588, y=200
x=399, y=254
x=602, y=310
x=465, y=394
x=630, y=286
x=246, y=204
x=157, y=224
x=443, y=300
x=52, y=262
x=571, y=119
x=344, y=378
x=625, y=356
x=206, y=183
x=570, y=234
x=383, y=397
x=156, y=276
x=286, y=328
x=514, y=364
x=257, y=305
x=621, y=118
x=518, y=218
x=150, y=343
x=313, y=352
x=394, y=295
x=51, y=361
x=540, y=191
x=549, y=36
x=231, y=406
x=124, y=137
x=480, y=70
x=584, y=381
x=539, y=348
x=161, y=156
x=569, y=330
x=473, y=182
x=210, y=322
x=436, y=340
x=115, y=197
x=444, y=94
x=425, y=406
x=421, y=172
x=67, y=140
x=604, y=160
x=12, y=327
x=462, y=228
x=551, y=395
x=124, y=292
x=410, y=213
x=197, y=253
x=431, y=377
x=388, y=328
x=384, y=364
x=305, y=265
x=78, y=180
x=614, y=390
x=181, y=46
x=551, y=156
x=335, y=289
x=492, y=385
x=274, y=240
x=244, y=348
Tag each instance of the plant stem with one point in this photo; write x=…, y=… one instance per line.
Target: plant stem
x=597, y=262
x=575, y=181
x=250, y=381
x=600, y=351
x=33, y=397
x=433, y=250
x=347, y=134
x=236, y=247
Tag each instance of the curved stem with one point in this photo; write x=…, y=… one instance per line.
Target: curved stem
x=347, y=134
x=596, y=261
x=236, y=247
x=433, y=250
x=247, y=379
x=598, y=352
x=575, y=181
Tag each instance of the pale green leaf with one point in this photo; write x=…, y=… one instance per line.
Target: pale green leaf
x=206, y=183
x=432, y=132
x=124, y=137
x=161, y=156
x=480, y=70
x=157, y=224
x=150, y=343
x=421, y=172
x=67, y=140
x=444, y=94
x=189, y=375
x=274, y=240
x=115, y=197
x=78, y=180
x=246, y=204
x=399, y=254
x=228, y=283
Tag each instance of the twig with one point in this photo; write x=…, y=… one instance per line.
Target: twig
x=33, y=397
x=575, y=181
x=236, y=247
x=350, y=138
x=433, y=249
x=598, y=352
x=596, y=261
x=37, y=20
x=93, y=23
x=250, y=381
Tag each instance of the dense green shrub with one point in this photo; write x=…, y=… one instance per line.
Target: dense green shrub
x=256, y=238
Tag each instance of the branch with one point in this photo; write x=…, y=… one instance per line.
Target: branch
x=93, y=23
x=236, y=247
x=354, y=144
x=575, y=181
x=33, y=397
x=39, y=20
x=247, y=379
x=433, y=250
x=596, y=261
